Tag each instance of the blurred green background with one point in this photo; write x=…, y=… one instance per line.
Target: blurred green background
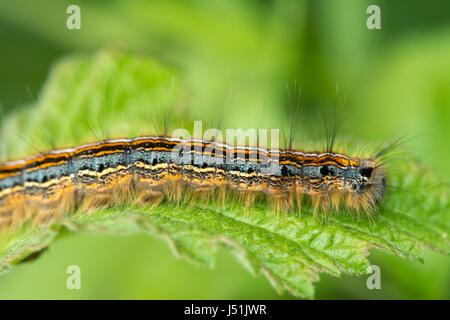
x=241, y=54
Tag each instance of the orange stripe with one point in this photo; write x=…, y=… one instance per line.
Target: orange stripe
x=314, y=159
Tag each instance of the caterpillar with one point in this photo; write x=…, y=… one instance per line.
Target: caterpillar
x=152, y=168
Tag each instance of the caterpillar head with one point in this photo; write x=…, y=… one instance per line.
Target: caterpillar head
x=372, y=183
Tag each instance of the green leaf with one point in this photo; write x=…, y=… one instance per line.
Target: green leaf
x=113, y=94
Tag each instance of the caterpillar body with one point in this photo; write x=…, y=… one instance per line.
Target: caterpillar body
x=148, y=169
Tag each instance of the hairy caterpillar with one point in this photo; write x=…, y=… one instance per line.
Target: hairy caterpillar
x=149, y=169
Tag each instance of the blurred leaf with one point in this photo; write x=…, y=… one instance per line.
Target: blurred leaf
x=113, y=94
